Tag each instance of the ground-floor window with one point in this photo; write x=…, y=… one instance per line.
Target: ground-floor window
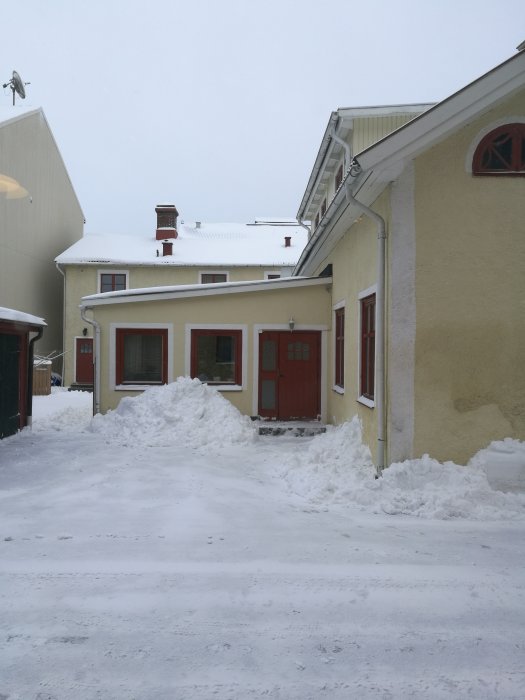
x=216, y=356
x=340, y=347
x=368, y=346
x=142, y=356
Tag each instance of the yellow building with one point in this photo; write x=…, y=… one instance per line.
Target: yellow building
x=177, y=253
x=406, y=306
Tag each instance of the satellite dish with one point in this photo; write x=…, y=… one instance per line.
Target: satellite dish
x=17, y=86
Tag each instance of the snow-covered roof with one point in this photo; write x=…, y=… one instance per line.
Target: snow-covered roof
x=20, y=317
x=260, y=243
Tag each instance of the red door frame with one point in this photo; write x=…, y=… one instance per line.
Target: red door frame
x=289, y=374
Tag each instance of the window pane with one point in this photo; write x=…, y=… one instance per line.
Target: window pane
x=268, y=394
x=216, y=358
x=211, y=278
x=142, y=359
x=269, y=356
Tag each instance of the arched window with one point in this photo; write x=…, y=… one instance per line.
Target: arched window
x=501, y=152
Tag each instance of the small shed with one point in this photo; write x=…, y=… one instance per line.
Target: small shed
x=18, y=333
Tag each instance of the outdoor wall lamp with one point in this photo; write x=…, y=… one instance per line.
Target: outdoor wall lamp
x=84, y=332
x=291, y=323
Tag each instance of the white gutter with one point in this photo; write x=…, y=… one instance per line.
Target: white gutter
x=96, y=359
x=379, y=397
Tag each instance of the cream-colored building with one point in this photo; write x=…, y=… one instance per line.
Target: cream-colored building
x=407, y=305
x=177, y=253
x=39, y=217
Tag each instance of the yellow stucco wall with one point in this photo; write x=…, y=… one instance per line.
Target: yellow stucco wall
x=470, y=301
x=354, y=270
x=309, y=306
x=82, y=280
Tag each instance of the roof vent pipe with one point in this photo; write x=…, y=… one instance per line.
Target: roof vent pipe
x=197, y=224
x=287, y=241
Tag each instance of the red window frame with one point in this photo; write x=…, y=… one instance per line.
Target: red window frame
x=339, y=378
x=114, y=284
x=367, y=354
x=212, y=277
x=501, y=152
x=121, y=334
x=236, y=335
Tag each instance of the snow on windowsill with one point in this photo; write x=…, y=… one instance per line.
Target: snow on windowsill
x=366, y=402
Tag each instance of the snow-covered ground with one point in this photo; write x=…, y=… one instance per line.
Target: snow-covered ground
x=164, y=552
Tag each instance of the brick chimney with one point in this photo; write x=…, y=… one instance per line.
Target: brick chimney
x=166, y=221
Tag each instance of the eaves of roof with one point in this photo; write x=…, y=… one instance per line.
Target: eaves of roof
x=383, y=162
x=146, y=294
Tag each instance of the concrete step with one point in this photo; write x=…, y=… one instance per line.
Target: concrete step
x=291, y=428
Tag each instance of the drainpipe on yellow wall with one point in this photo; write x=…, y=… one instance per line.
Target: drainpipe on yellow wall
x=380, y=402
x=96, y=359
x=62, y=371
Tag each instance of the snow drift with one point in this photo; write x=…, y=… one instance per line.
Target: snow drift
x=186, y=413
x=337, y=468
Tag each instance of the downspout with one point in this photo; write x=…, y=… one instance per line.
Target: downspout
x=346, y=146
x=305, y=226
x=30, y=360
x=96, y=359
x=62, y=371
x=380, y=358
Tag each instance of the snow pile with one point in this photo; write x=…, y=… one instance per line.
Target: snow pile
x=185, y=412
x=503, y=461
x=63, y=411
x=337, y=468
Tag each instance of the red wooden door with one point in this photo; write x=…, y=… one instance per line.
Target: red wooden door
x=289, y=374
x=84, y=361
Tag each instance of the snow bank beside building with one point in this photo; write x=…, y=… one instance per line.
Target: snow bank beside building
x=186, y=413
x=337, y=469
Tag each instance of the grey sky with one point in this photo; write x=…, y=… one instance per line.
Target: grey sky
x=219, y=106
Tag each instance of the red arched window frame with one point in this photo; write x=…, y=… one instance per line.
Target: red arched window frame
x=501, y=152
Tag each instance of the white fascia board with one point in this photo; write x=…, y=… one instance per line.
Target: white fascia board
x=199, y=290
x=383, y=110
x=432, y=126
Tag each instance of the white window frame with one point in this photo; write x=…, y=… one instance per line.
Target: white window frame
x=213, y=272
x=110, y=272
x=113, y=353
x=218, y=327
x=336, y=307
x=362, y=295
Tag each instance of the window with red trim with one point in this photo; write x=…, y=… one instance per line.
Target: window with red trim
x=142, y=356
x=213, y=277
x=340, y=347
x=368, y=346
x=501, y=152
x=112, y=282
x=216, y=356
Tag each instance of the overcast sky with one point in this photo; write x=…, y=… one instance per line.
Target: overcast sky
x=219, y=106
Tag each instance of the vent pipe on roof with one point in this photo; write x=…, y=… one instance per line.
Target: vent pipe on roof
x=166, y=221
x=287, y=241
x=197, y=224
